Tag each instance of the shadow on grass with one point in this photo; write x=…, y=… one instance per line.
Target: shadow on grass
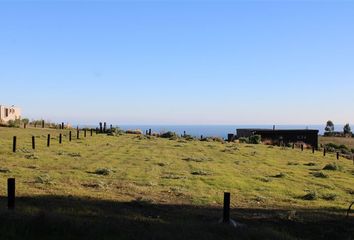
x=55, y=217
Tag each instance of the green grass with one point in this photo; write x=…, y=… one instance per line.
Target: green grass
x=160, y=186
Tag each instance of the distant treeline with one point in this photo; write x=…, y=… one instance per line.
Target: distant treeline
x=329, y=130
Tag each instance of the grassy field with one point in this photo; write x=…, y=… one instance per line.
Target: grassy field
x=135, y=187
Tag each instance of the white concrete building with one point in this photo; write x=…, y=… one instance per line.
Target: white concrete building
x=9, y=113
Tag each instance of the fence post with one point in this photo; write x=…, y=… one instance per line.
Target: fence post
x=226, y=212
x=104, y=127
x=42, y=123
x=293, y=145
x=85, y=132
x=302, y=147
x=70, y=136
x=91, y=132
x=33, y=142
x=78, y=134
x=60, y=138
x=14, y=144
x=337, y=155
x=48, y=140
x=11, y=186
x=24, y=125
x=62, y=125
x=324, y=152
x=313, y=150
x=150, y=132
x=100, y=127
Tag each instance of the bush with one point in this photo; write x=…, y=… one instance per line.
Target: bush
x=243, y=140
x=331, y=167
x=102, y=171
x=14, y=123
x=319, y=175
x=168, y=135
x=255, y=139
x=310, y=196
x=329, y=197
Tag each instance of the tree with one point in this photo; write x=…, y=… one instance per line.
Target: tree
x=329, y=126
x=347, y=129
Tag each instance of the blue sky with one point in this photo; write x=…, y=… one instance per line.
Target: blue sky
x=170, y=62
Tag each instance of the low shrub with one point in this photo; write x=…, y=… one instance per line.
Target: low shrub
x=168, y=135
x=102, y=171
x=312, y=195
x=280, y=175
x=255, y=139
x=243, y=140
x=320, y=175
x=329, y=197
x=331, y=167
x=200, y=173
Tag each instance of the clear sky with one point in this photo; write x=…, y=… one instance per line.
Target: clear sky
x=164, y=62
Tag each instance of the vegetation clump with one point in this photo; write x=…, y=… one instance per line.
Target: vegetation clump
x=329, y=197
x=103, y=171
x=168, y=135
x=4, y=170
x=331, y=167
x=44, y=179
x=312, y=195
x=320, y=175
x=254, y=139
x=200, y=173
x=280, y=175
x=136, y=131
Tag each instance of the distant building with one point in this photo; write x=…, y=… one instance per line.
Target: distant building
x=9, y=113
x=306, y=136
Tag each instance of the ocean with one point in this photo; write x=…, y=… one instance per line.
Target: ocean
x=213, y=130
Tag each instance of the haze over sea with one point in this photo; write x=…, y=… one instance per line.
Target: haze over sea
x=212, y=130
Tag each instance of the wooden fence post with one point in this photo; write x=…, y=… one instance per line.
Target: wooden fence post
x=11, y=187
x=78, y=134
x=48, y=141
x=324, y=152
x=33, y=142
x=337, y=155
x=302, y=147
x=60, y=138
x=62, y=125
x=293, y=145
x=14, y=142
x=85, y=132
x=104, y=127
x=313, y=150
x=70, y=136
x=43, y=123
x=226, y=210
x=101, y=127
